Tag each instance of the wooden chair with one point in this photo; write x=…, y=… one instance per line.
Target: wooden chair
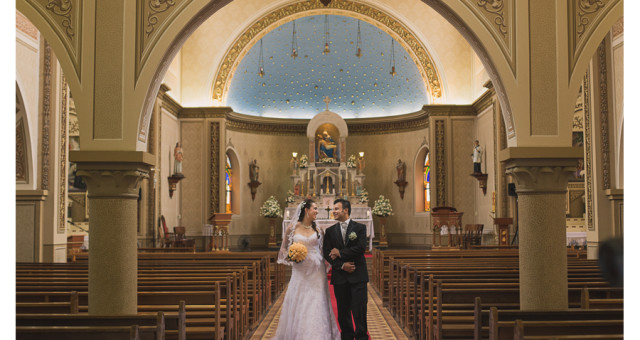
x=167, y=238
x=180, y=239
x=473, y=235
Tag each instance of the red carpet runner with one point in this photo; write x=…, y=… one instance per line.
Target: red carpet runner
x=333, y=298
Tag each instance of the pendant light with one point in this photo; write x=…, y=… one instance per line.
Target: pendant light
x=393, y=59
x=294, y=42
x=358, y=43
x=261, y=62
x=326, y=35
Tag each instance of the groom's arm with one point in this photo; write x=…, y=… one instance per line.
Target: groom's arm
x=351, y=253
x=327, y=245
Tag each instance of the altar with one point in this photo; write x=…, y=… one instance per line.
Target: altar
x=324, y=220
x=328, y=173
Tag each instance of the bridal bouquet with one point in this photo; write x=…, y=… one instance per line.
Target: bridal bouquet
x=297, y=252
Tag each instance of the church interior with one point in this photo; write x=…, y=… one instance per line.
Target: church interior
x=181, y=135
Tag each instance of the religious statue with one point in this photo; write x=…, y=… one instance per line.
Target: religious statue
x=326, y=146
x=177, y=155
x=254, y=171
x=296, y=188
x=361, y=164
x=477, y=157
x=401, y=169
x=293, y=165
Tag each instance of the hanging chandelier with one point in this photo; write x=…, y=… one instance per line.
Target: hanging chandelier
x=294, y=42
x=358, y=43
x=261, y=62
x=326, y=35
x=392, y=62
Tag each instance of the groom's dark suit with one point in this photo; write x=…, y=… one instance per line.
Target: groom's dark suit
x=350, y=288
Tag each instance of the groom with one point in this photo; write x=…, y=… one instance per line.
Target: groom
x=344, y=246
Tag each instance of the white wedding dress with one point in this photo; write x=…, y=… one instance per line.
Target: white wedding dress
x=306, y=310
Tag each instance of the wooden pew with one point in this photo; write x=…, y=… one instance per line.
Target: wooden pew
x=134, y=332
x=498, y=323
x=85, y=320
x=524, y=329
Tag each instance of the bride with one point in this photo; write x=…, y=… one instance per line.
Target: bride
x=306, y=310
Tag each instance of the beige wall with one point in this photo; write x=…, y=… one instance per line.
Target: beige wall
x=173, y=78
x=618, y=107
x=205, y=48
x=28, y=79
x=169, y=135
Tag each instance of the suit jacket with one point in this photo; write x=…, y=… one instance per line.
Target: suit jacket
x=352, y=251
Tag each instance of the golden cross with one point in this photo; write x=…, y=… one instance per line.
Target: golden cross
x=327, y=101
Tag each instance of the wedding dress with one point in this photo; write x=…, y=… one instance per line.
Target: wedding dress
x=306, y=311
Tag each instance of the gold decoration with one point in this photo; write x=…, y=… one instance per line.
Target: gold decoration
x=440, y=168
x=604, y=115
x=586, y=90
x=62, y=8
x=46, y=114
x=62, y=161
x=367, y=13
x=214, y=161
x=21, y=153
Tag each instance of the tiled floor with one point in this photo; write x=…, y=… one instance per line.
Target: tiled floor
x=381, y=324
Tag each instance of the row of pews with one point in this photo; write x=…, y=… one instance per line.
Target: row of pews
x=466, y=294
x=180, y=296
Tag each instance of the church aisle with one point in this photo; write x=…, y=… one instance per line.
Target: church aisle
x=381, y=323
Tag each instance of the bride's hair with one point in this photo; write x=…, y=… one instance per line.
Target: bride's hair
x=306, y=204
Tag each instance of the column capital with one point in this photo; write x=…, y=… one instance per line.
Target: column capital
x=541, y=179
x=112, y=174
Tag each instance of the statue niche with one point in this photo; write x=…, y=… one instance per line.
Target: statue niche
x=327, y=147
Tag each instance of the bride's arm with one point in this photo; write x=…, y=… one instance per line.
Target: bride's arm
x=287, y=239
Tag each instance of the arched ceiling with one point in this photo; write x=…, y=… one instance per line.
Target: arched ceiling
x=358, y=86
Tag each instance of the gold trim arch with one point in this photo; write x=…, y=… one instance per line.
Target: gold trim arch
x=364, y=12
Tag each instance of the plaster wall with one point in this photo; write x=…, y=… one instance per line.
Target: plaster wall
x=618, y=106
x=28, y=79
x=170, y=134
x=464, y=187
x=27, y=233
x=204, y=50
x=173, y=77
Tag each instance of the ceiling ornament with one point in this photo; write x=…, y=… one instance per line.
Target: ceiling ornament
x=294, y=42
x=393, y=60
x=261, y=62
x=416, y=49
x=325, y=2
x=358, y=43
x=326, y=35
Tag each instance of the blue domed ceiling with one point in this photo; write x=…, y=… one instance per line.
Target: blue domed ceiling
x=358, y=87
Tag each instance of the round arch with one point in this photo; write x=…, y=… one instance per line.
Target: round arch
x=24, y=160
x=236, y=175
x=418, y=189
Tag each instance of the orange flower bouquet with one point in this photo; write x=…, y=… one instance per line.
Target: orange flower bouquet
x=297, y=252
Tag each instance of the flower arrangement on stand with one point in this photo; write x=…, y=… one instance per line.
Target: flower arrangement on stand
x=303, y=162
x=271, y=209
x=290, y=197
x=382, y=209
x=364, y=196
x=351, y=162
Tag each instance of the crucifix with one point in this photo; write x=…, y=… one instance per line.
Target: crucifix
x=327, y=101
x=328, y=209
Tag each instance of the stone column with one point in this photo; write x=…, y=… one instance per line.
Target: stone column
x=113, y=258
x=542, y=232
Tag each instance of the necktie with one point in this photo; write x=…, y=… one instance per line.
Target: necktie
x=343, y=225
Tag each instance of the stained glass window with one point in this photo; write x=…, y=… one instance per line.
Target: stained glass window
x=425, y=183
x=228, y=184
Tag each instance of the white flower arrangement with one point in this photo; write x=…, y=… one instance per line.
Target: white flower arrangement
x=364, y=196
x=327, y=160
x=382, y=207
x=304, y=161
x=351, y=161
x=290, y=197
x=271, y=208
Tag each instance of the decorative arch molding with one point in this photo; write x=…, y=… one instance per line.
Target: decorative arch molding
x=327, y=117
x=61, y=23
x=361, y=11
x=23, y=144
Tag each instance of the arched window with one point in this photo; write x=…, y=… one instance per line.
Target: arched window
x=228, y=185
x=425, y=183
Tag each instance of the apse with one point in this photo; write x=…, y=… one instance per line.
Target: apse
x=382, y=81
